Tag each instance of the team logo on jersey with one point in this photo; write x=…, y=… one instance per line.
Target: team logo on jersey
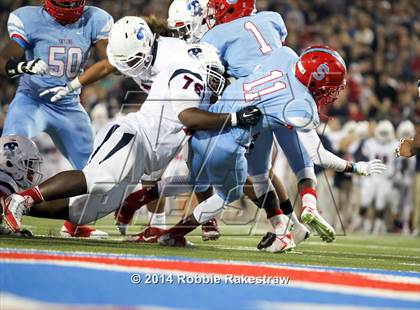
x=195, y=7
x=140, y=34
x=195, y=52
x=322, y=69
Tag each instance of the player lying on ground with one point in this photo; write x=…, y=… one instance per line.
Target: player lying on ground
x=49, y=46
x=20, y=169
x=140, y=142
x=287, y=89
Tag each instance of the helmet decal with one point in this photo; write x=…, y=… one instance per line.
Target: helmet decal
x=195, y=52
x=195, y=7
x=140, y=34
x=322, y=69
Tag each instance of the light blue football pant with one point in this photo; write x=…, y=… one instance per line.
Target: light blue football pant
x=259, y=158
x=68, y=125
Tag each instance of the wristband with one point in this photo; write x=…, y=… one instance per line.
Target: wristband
x=350, y=168
x=13, y=68
x=74, y=85
x=233, y=119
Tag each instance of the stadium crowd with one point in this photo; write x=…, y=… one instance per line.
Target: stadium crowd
x=380, y=42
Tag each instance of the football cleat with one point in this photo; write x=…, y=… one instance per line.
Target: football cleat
x=149, y=235
x=14, y=208
x=82, y=231
x=174, y=241
x=276, y=243
x=210, y=230
x=299, y=233
x=312, y=218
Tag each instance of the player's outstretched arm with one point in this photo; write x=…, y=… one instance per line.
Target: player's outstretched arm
x=196, y=119
x=12, y=63
x=95, y=73
x=320, y=156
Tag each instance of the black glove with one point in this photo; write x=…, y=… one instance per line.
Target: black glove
x=249, y=116
x=36, y=66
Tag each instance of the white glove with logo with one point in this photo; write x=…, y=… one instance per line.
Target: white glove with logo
x=366, y=168
x=62, y=91
x=36, y=66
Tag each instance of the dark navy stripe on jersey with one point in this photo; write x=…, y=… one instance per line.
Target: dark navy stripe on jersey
x=184, y=71
x=108, y=135
x=126, y=138
x=8, y=186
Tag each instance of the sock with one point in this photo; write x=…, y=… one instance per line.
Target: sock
x=32, y=196
x=270, y=203
x=184, y=226
x=309, y=198
x=139, y=198
x=157, y=220
x=279, y=223
x=287, y=209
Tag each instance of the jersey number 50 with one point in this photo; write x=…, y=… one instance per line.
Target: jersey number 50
x=71, y=63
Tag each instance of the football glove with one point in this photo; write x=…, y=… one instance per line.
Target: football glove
x=36, y=66
x=246, y=117
x=59, y=92
x=366, y=168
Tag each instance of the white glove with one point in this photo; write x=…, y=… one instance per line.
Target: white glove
x=62, y=91
x=36, y=66
x=365, y=168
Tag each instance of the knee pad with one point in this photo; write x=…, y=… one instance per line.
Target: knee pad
x=262, y=184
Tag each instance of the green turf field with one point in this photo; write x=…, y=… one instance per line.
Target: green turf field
x=392, y=252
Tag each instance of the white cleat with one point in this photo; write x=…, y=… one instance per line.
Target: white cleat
x=300, y=233
x=82, y=231
x=276, y=243
x=312, y=218
x=14, y=208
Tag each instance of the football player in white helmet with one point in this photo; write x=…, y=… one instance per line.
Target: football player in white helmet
x=377, y=189
x=142, y=142
x=186, y=18
x=20, y=163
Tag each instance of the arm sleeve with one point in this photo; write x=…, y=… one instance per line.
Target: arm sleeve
x=319, y=155
x=281, y=28
x=102, y=25
x=186, y=90
x=17, y=31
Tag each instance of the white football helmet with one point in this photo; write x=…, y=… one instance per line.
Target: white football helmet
x=207, y=58
x=20, y=158
x=186, y=17
x=384, y=132
x=406, y=129
x=130, y=46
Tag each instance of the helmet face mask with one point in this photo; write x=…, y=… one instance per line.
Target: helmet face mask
x=323, y=72
x=20, y=158
x=210, y=65
x=65, y=11
x=130, y=46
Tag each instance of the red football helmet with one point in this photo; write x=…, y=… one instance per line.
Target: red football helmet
x=224, y=11
x=322, y=70
x=65, y=11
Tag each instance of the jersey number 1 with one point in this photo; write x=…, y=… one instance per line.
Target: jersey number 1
x=264, y=46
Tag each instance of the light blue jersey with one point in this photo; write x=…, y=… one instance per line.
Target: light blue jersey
x=65, y=48
x=219, y=158
x=243, y=42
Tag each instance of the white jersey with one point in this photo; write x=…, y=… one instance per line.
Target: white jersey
x=372, y=149
x=169, y=50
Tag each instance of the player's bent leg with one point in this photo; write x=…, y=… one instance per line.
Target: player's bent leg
x=209, y=229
